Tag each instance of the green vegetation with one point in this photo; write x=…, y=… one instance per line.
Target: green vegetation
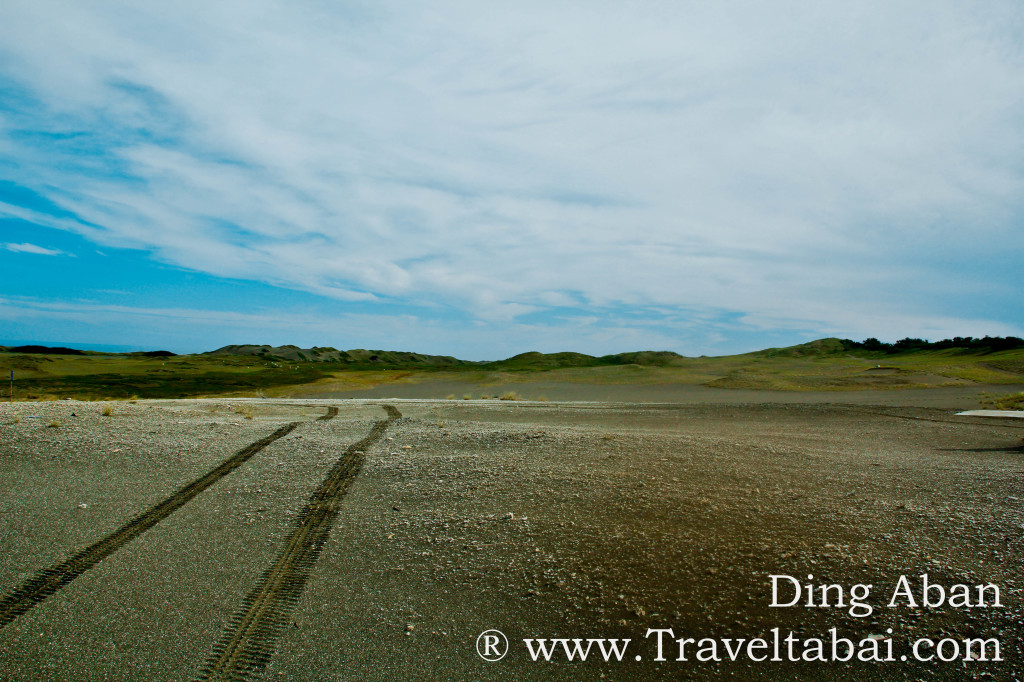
x=352, y=359
x=966, y=343
x=1010, y=401
x=94, y=376
x=825, y=364
x=246, y=411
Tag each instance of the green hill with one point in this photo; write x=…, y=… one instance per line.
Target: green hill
x=825, y=364
x=818, y=348
x=357, y=358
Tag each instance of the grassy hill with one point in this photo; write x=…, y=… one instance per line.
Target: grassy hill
x=95, y=375
x=534, y=361
x=253, y=369
x=359, y=358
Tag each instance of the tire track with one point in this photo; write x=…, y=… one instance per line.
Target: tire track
x=937, y=421
x=247, y=643
x=49, y=580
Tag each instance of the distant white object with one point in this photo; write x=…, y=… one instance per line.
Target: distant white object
x=1012, y=414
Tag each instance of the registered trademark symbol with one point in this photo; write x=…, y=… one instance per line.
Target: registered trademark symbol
x=492, y=645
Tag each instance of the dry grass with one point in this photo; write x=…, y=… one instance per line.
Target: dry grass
x=467, y=396
x=54, y=424
x=450, y=396
x=107, y=411
x=17, y=419
x=1010, y=401
x=510, y=395
x=246, y=411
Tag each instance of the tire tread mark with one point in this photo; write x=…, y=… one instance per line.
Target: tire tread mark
x=932, y=419
x=49, y=580
x=247, y=643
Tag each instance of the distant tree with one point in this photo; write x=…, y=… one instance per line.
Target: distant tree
x=988, y=344
x=909, y=344
x=874, y=344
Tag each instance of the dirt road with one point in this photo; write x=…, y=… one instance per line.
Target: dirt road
x=370, y=546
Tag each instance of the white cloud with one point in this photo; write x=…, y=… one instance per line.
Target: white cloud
x=32, y=248
x=818, y=165
x=691, y=332
x=196, y=330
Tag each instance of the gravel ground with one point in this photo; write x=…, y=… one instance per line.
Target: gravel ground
x=539, y=519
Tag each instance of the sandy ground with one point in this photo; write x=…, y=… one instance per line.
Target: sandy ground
x=961, y=397
x=542, y=520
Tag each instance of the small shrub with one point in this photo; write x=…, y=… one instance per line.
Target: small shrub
x=17, y=419
x=246, y=411
x=467, y=396
x=133, y=399
x=450, y=396
x=1010, y=401
x=542, y=399
x=107, y=411
x=54, y=424
x=510, y=395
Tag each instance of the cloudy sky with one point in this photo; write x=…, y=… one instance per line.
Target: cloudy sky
x=481, y=178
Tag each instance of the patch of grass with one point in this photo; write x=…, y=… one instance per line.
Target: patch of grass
x=828, y=364
x=1010, y=401
x=17, y=419
x=246, y=411
x=450, y=396
x=467, y=396
x=54, y=424
x=118, y=376
x=107, y=411
x=510, y=395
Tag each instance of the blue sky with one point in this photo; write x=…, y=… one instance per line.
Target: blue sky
x=482, y=179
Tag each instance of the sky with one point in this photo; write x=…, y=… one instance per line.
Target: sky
x=481, y=179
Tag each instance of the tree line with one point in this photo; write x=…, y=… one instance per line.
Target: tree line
x=985, y=344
